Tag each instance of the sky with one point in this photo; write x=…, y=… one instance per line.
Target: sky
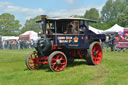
x=26, y=9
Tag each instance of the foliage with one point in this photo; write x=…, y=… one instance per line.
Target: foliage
x=123, y=18
x=100, y=26
x=8, y=24
x=111, y=10
x=77, y=16
x=32, y=25
x=112, y=71
x=93, y=13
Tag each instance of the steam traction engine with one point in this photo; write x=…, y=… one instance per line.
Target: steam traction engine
x=62, y=41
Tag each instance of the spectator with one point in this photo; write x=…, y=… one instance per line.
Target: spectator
x=126, y=37
x=112, y=42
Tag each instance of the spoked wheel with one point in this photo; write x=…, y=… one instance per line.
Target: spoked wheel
x=57, y=61
x=94, y=56
x=31, y=61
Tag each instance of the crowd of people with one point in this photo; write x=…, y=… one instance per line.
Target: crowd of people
x=27, y=44
x=112, y=38
x=17, y=44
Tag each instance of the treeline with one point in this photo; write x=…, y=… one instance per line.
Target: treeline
x=113, y=12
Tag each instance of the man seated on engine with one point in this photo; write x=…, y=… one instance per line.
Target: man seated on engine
x=48, y=30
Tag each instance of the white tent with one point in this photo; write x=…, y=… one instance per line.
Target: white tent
x=115, y=28
x=28, y=35
x=9, y=38
x=97, y=31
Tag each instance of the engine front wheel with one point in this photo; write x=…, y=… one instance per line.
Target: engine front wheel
x=94, y=56
x=57, y=61
x=31, y=61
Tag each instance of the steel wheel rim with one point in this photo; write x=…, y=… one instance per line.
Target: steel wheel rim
x=58, y=62
x=97, y=53
x=32, y=61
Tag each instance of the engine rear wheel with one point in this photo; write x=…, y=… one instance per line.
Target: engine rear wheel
x=31, y=61
x=94, y=56
x=57, y=61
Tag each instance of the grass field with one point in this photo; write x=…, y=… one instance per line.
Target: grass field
x=113, y=70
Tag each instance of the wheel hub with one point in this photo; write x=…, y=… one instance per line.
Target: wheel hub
x=58, y=62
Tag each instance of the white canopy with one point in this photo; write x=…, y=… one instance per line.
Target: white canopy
x=115, y=28
x=9, y=38
x=28, y=35
x=97, y=31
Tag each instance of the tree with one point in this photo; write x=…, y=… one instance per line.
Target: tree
x=31, y=25
x=111, y=10
x=123, y=18
x=8, y=25
x=93, y=13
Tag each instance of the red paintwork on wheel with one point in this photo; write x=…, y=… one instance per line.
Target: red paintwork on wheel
x=97, y=53
x=61, y=65
x=35, y=62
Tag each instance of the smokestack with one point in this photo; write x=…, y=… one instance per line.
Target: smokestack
x=43, y=19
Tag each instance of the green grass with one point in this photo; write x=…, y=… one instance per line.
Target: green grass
x=113, y=70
